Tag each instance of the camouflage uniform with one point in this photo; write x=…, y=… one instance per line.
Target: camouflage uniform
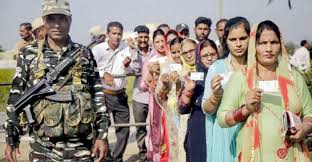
x=19, y=45
x=64, y=130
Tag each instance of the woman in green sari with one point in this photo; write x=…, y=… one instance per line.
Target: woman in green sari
x=258, y=98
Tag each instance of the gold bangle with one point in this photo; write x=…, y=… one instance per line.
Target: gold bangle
x=217, y=97
x=212, y=101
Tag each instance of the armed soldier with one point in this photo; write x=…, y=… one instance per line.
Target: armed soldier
x=70, y=120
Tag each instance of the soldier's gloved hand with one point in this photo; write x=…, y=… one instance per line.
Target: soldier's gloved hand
x=100, y=149
x=9, y=153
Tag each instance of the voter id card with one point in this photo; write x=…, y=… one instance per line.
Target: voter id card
x=162, y=60
x=133, y=35
x=175, y=67
x=269, y=86
x=226, y=77
x=197, y=76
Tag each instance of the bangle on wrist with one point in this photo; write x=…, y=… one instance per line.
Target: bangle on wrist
x=238, y=114
x=218, y=97
x=213, y=101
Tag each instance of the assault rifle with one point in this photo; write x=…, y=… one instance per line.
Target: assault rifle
x=43, y=88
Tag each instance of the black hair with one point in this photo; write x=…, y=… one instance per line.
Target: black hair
x=207, y=43
x=175, y=41
x=220, y=21
x=158, y=32
x=303, y=42
x=203, y=20
x=114, y=24
x=163, y=25
x=269, y=25
x=232, y=23
x=141, y=29
x=27, y=25
x=171, y=31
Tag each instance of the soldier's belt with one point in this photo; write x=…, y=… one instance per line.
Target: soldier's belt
x=59, y=96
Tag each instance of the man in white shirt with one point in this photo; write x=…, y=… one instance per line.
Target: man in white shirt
x=113, y=58
x=301, y=57
x=220, y=32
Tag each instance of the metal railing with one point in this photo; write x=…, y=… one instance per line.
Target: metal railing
x=5, y=84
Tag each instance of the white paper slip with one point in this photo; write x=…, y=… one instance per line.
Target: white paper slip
x=134, y=35
x=226, y=77
x=269, y=86
x=197, y=76
x=162, y=60
x=175, y=67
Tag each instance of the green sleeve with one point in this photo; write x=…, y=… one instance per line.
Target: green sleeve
x=232, y=97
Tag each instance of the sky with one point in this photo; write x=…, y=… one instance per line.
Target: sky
x=295, y=24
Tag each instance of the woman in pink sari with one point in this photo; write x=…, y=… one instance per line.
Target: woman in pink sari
x=158, y=143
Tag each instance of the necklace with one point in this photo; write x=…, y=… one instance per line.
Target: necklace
x=233, y=66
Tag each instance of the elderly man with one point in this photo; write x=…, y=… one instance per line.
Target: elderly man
x=65, y=120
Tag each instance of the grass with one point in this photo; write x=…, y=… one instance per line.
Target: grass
x=6, y=55
x=129, y=89
x=7, y=76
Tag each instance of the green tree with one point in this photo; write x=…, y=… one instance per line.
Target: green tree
x=1, y=49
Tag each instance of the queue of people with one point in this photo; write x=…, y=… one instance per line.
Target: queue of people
x=230, y=100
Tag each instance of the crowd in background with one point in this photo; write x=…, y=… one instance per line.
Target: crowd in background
x=203, y=100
